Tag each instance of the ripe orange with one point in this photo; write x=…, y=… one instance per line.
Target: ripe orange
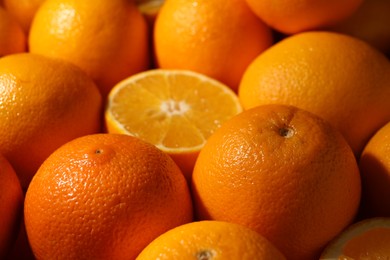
x=215, y=37
x=375, y=170
x=210, y=240
x=23, y=11
x=175, y=110
x=44, y=103
x=282, y=171
x=293, y=16
x=370, y=23
x=104, y=196
x=12, y=37
x=335, y=76
x=11, y=204
x=107, y=39
x=366, y=239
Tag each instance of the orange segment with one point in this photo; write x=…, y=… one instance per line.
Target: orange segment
x=176, y=110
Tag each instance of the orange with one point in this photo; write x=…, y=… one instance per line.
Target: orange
x=11, y=204
x=375, y=170
x=107, y=39
x=23, y=10
x=175, y=110
x=44, y=103
x=210, y=240
x=104, y=196
x=215, y=37
x=294, y=16
x=282, y=171
x=366, y=239
x=12, y=37
x=370, y=23
x=335, y=76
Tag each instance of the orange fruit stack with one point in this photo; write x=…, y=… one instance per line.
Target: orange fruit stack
x=338, y=77
x=104, y=196
x=211, y=128
x=283, y=172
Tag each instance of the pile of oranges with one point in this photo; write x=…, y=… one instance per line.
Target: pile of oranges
x=194, y=129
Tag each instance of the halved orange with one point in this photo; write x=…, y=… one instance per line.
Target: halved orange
x=365, y=239
x=176, y=110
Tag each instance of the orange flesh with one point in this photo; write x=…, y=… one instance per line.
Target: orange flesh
x=173, y=111
x=373, y=244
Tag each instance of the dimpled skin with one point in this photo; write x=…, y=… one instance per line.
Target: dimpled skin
x=104, y=196
x=107, y=39
x=340, y=78
x=215, y=37
x=217, y=240
x=283, y=172
x=44, y=103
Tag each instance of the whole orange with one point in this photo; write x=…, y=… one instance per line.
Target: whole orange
x=338, y=77
x=293, y=16
x=107, y=39
x=44, y=103
x=217, y=240
x=23, y=11
x=282, y=171
x=104, y=196
x=11, y=205
x=12, y=37
x=215, y=37
x=374, y=166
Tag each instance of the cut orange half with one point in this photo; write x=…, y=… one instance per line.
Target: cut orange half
x=176, y=110
x=366, y=239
